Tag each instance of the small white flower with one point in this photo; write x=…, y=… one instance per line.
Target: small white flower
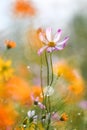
x=31, y=113
x=48, y=91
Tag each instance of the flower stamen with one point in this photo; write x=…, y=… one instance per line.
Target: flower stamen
x=51, y=44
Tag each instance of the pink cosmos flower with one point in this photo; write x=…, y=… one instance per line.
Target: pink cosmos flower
x=52, y=43
x=55, y=116
x=36, y=102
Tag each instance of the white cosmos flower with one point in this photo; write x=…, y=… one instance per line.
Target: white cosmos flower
x=52, y=43
x=31, y=113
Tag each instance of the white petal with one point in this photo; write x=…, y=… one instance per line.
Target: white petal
x=42, y=38
x=57, y=35
x=33, y=113
x=29, y=113
x=41, y=50
x=49, y=34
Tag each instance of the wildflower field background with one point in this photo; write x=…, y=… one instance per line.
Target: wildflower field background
x=43, y=65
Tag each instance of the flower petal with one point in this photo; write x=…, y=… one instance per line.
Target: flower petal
x=41, y=105
x=33, y=112
x=49, y=34
x=29, y=113
x=61, y=45
x=41, y=50
x=50, y=49
x=42, y=38
x=57, y=35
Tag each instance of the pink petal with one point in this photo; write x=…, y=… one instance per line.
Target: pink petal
x=49, y=34
x=41, y=105
x=41, y=50
x=50, y=49
x=57, y=35
x=61, y=45
x=55, y=116
x=42, y=38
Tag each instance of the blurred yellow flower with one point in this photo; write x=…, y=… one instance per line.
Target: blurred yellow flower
x=6, y=71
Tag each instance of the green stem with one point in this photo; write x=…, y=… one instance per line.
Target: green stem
x=51, y=69
x=44, y=98
x=47, y=64
x=49, y=121
x=47, y=68
x=41, y=78
x=47, y=99
x=49, y=103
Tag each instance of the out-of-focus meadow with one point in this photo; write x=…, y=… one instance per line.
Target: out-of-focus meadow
x=21, y=21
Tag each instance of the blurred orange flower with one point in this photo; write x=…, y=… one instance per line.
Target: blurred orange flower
x=36, y=90
x=8, y=115
x=23, y=8
x=71, y=75
x=62, y=68
x=23, y=70
x=77, y=87
x=18, y=89
x=2, y=90
x=64, y=117
x=10, y=44
x=20, y=128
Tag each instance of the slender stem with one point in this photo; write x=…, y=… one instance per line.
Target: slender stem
x=41, y=78
x=49, y=121
x=47, y=64
x=48, y=101
x=51, y=69
x=47, y=68
x=44, y=98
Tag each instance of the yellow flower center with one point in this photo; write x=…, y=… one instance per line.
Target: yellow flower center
x=51, y=44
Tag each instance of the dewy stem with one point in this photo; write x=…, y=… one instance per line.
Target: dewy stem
x=51, y=69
